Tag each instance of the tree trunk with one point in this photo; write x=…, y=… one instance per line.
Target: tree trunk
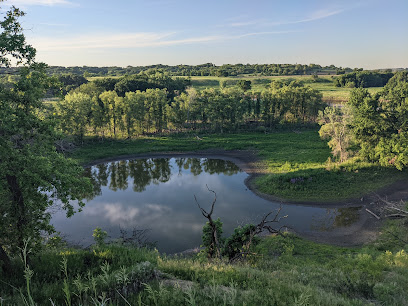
x=5, y=260
x=18, y=201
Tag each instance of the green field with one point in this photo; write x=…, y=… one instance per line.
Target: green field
x=330, y=92
x=284, y=155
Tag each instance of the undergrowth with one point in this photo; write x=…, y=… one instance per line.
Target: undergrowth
x=286, y=270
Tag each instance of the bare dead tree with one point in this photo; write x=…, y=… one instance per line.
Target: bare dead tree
x=267, y=224
x=215, y=248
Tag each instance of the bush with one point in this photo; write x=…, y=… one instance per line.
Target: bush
x=207, y=234
x=239, y=240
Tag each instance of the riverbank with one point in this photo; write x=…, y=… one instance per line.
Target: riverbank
x=290, y=165
x=364, y=229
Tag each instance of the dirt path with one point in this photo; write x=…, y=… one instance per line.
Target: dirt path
x=366, y=229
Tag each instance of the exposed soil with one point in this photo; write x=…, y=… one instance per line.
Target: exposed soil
x=365, y=230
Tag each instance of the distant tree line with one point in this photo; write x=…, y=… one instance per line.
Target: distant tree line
x=108, y=110
x=142, y=81
x=207, y=69
x=363, y=79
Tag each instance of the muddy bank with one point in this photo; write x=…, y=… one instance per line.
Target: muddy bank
x=364, y=230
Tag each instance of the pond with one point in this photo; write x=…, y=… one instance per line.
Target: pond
x=153, y=199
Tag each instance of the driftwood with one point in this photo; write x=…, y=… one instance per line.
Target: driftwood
x=370, y=212
x=394, y=206
x=388, y=209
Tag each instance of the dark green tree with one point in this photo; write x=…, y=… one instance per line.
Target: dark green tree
x=244, y=84
x=33, y=175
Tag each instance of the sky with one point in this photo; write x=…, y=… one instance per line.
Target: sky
x=369, y=34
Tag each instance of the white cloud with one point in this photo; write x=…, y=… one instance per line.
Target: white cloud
x=317, y=15
x=40, y=2
x=54, y=24
x=320, y=14
x=119, y=213
x=129, y=40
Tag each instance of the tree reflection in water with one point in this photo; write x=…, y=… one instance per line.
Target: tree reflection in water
x=337, y=217
x=148, y=171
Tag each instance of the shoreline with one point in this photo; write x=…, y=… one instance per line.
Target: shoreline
x=365, y=230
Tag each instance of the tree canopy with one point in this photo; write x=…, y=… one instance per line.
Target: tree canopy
x=378, y=124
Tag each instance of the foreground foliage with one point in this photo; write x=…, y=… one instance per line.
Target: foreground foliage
x=285, y=271
x=33, y=175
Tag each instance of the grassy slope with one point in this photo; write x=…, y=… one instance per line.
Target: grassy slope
x=285, y=271
x=285, y=155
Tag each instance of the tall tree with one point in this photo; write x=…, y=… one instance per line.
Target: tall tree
x=33, y=175
x=112, y=103
x=75, y=111
x=335, y=126
x=380, y=122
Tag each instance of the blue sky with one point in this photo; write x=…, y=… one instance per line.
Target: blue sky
x=360, y=33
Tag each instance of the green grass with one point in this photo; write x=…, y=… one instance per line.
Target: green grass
x=284, y=270
x=284, y=156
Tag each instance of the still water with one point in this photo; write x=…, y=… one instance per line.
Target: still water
x=157, y=195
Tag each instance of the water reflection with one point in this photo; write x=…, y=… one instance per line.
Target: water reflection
x=158, y=194
x=336, y=217
x=145, y=172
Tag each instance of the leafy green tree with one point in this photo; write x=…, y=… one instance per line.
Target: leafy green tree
x=33, y=175
x=380, y=123
x=13, y=45
x=74, y=112
x=99, y=119
x=239, y=240
x=335, y=126
x=133, y=111
x=112, y=103
x=155, y=104
x=178, y=110
x=244, y=84
x=71, y=81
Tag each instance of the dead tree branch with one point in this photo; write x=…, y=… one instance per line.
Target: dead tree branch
x=264, y=225
x=215, y=248
x=390, y=209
